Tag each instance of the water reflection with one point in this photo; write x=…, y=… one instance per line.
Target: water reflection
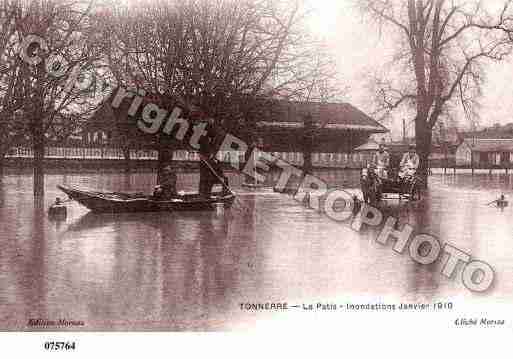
x=35, y=263
x=189, y=270
x=164, y=266
x=2, y=190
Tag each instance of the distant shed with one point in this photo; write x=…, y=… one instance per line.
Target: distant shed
x=485, y=152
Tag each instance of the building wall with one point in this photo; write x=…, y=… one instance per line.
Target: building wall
x=491, y=158
x=495, y=158
x=463, y=155
x=332, y=141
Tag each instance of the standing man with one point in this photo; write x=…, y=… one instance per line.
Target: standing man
x=211, y=172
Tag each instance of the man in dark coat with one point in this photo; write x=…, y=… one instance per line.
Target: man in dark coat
x=166, y=189
x=211, y=172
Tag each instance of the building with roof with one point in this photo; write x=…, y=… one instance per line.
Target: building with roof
x=492, y=132
x=336, y=127
x=485, y=152
x=329, y=132
x=332, y=131
x=369, y=146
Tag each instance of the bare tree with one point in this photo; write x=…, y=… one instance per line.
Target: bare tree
x=47, y=46
x=214, y=52
x=441, y=48
x=11, y=99
x=231, y=56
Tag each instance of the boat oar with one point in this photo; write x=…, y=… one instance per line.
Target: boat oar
x=185, y=104
x=217, y=176
x=223, y=183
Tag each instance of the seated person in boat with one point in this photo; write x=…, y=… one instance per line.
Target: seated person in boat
x=211, y=172
x=166, y=189
x=381, y=162
x=409, y=164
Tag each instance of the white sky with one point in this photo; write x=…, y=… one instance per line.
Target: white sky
x=357, y=49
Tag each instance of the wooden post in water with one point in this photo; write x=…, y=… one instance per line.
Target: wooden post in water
x=38, y=148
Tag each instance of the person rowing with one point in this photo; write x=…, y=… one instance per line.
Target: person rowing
x=211, y=172
x=499, y=202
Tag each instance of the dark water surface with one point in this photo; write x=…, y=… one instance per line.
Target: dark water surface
x=190, y=271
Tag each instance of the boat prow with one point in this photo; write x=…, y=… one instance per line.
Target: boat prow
x=118, y=202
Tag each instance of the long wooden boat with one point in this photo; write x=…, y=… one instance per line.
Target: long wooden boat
x=115, y=202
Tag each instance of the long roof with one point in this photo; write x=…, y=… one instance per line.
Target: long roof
x=490, y=144
x=370, y=145
x=290, y=115
x=335, y=116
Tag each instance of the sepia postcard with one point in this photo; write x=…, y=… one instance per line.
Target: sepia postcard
x=278, y=166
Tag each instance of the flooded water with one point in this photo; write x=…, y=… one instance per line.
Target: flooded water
x=190, y=271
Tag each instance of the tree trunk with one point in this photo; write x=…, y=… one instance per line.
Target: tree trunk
x=307, y=165
x=38, y=145
x=2, y=160
x=165, y=158
x=2, y=191
x=126, y=158
x=423, y=137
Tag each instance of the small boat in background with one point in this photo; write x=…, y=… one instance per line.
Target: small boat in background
x=116, y=202
x=500, y=202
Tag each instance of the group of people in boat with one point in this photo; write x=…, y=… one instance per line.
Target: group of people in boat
x=211, y=172
x=407, y=167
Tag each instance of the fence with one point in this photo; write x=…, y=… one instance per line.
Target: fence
x=331, y=160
